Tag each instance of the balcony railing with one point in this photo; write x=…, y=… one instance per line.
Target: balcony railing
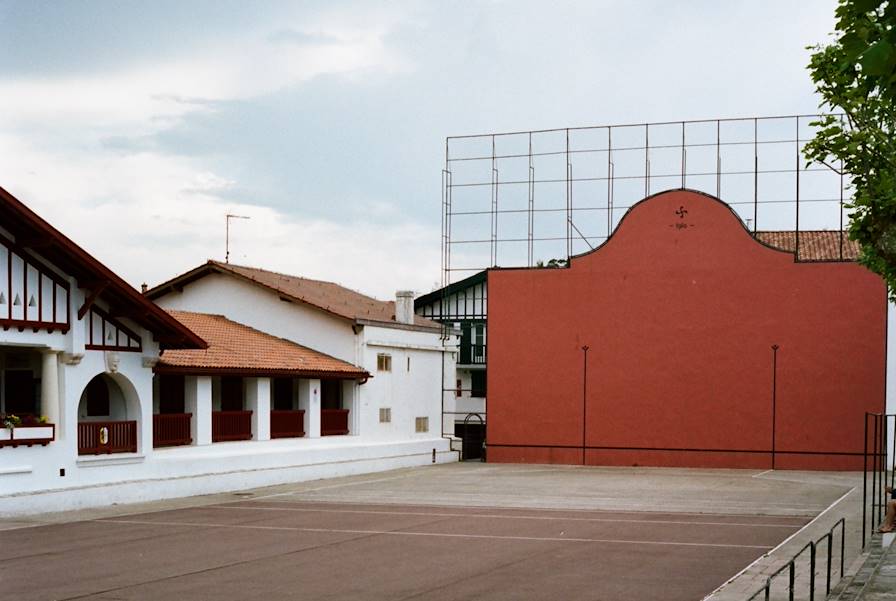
x=95, y=438
x=472, y=354
x=287, y=423
x=231, y=425
x=333, y=422
x=171, y=429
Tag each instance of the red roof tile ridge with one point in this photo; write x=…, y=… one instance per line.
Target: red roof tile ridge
x=290, y=276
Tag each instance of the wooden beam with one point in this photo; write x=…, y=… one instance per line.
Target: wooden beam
x=91, y=298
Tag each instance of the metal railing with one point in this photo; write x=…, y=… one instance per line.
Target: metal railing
x=472, y=354
x=790, y=567
x=879, y=468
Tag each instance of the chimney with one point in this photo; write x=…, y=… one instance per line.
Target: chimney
x=404, y=306
x=144, y=288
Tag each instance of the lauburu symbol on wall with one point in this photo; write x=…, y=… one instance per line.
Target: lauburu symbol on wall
x=681, y=224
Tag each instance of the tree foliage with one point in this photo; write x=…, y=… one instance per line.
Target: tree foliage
x=856, y=75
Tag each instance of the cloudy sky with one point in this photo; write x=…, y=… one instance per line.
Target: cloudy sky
x=135, y=127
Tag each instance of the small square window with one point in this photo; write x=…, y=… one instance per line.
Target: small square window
x=383, y=362
x=385, y=415
x=421, y=424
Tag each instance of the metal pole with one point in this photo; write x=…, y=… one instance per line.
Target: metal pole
x=584, y=398
x=531, y=203
x=684, y=159
x=718, y=159
x=646, y=160
x=812, y=571
x=609, y=181
x=568, y=203
x=830, y=556
x=775, y=348
x=797, y=244
x=755, y=174
x=874, y=498
x=865, y=483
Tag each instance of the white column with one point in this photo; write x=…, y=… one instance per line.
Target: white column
x=198, y=401
x=49, y=388
x=309, y=402
x=350, y=401
x=258, y=400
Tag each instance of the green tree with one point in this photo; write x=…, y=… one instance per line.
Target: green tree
x=856, y=74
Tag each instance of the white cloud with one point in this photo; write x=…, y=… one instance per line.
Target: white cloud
x=150, y=97
x=150, y=217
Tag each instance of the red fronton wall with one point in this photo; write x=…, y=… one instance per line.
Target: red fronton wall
x=680, y=310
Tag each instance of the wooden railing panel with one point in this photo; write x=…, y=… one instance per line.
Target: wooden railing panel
x=333, y=422
x=95, y=438
x=171, y=429
x=287, y=423
x=231, y=425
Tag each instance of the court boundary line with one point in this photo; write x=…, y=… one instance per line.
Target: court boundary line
x=430, y=534
x=499, y=516
x=779, y=545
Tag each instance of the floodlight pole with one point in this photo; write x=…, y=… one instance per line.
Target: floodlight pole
x=227, y=235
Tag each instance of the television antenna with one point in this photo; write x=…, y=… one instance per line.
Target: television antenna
x=227, y=237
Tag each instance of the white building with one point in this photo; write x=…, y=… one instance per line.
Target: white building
x=411, y=365
x=117, y=400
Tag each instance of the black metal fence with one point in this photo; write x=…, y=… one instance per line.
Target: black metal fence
x=811, y=587
x=879, y=470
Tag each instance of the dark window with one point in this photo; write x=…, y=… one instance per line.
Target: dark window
x=20, y=392
x=231, y=393
x=283, y=394
x=478, y=383
x=331, y=394
x=171, y=394
x=97, y=393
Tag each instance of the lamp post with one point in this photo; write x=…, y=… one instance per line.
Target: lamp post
x=584, y=397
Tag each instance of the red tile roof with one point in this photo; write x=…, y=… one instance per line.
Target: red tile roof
x=814, y=245
x=237, y=349
x=327, y=296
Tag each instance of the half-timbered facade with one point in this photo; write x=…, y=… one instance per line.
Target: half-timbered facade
x=77, y=345
x=463, y=306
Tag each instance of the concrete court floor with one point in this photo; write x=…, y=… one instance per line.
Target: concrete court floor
x=454, y=531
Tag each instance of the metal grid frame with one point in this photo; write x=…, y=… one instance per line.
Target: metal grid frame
x=755, y=164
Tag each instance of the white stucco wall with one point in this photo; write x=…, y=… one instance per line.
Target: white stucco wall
x=263, y=310
x=55, y=477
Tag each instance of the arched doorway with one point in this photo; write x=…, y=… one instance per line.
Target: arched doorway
x=108, y=414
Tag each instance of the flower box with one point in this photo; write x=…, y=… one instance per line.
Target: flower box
x=41, y=434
